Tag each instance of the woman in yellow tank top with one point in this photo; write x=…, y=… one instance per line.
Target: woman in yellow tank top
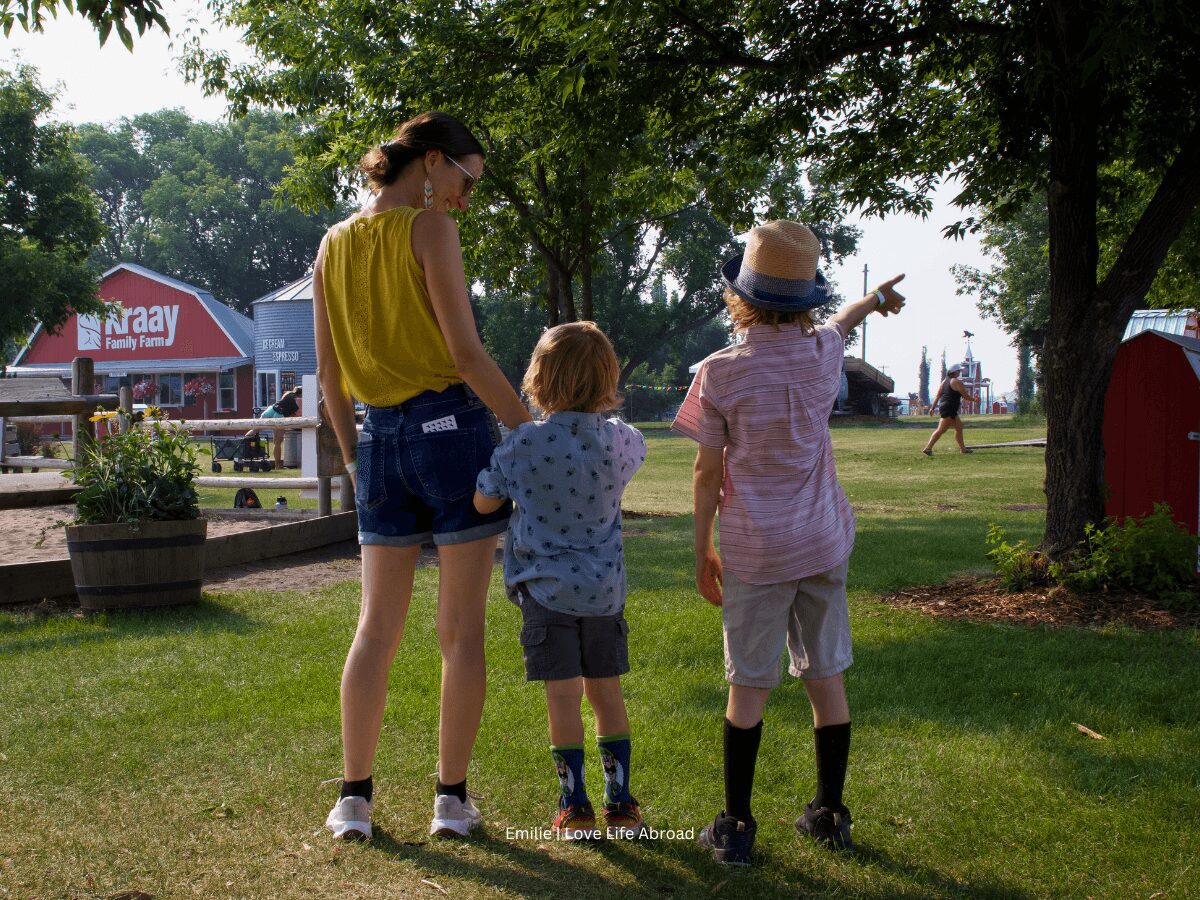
x=394, y=330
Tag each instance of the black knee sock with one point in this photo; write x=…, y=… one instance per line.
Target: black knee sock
x=833, y=751
x=458, y=790
x=361, y=788
x=741, y=754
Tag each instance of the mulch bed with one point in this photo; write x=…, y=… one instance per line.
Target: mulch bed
x=984, y=600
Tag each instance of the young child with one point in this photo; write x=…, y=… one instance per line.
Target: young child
x=760, y=412
x=564, y=564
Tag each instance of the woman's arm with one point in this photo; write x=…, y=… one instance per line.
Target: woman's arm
x=436, y=246
x=851, y=315
x=329, y=371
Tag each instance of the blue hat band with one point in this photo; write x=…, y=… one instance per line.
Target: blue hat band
x=774, y=293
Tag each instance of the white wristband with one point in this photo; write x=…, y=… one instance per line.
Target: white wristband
x=351, y=468
x=879, y=299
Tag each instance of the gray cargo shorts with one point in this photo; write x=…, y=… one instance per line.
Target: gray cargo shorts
x=809, y=615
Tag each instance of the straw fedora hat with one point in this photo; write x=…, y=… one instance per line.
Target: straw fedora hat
x=778, y=269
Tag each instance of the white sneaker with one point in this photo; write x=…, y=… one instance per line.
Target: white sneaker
x=452, y=816
x=350, y=819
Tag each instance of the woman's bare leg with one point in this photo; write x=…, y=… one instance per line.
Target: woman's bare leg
x=462, y=595
x=387, y=590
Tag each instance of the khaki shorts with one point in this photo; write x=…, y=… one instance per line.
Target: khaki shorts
x=809, y=615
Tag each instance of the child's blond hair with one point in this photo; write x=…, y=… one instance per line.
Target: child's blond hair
x=745, y=314
x=573, y=369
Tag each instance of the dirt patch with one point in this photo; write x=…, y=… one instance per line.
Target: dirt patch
x=984, y=600
x=1025, y=507
x=308, y=571
x=21, y=531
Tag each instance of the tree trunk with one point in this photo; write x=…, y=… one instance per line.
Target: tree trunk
x=551, y=294
x=1078, y=355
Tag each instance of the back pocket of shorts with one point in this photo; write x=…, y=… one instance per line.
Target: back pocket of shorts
x=371, y=477
x=446, y=462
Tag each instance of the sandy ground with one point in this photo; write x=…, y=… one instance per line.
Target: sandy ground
x=21, y=532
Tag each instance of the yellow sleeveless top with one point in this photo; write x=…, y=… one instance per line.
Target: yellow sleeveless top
x=386, y=336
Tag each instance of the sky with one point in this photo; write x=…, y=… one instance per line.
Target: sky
x=103, y=84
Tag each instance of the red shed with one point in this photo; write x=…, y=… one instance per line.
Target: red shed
x=1151, y=413
x=167, y=334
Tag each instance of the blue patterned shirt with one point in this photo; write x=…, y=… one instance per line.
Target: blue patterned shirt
x=565, y=475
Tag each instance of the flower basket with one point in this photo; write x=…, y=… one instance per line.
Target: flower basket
x=137, y=539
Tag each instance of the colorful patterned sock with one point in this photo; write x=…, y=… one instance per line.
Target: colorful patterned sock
x=614, y=757
x=568, y=760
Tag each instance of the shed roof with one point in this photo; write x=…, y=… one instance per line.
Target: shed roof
x=1167, y=321
x=301, y=289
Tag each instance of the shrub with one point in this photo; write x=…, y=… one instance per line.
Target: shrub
x=145, y=473
x=1018, y=565
x=1154, y=555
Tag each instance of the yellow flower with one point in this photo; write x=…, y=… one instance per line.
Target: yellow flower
x=101, y=416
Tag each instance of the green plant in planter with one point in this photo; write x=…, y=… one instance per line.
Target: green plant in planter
x=142, y=474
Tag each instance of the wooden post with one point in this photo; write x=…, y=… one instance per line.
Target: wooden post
x=347, y=494
x=126, y=403
x=83, y=382
x=324, y=495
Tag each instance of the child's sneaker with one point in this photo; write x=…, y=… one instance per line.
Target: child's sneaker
x=453, y=817
x=350, y=819
x=729, y=839
x=623, y=820
x=576, y=822
x=827, y=826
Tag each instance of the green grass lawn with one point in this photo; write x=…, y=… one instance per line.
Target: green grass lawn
x=182, y=752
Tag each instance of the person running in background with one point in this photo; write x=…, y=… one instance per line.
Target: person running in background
x=947, y=403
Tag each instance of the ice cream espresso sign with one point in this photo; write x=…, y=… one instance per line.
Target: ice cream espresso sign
x=133, y=328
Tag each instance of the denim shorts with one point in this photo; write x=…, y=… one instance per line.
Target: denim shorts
x=417, y=464
x=560, y=645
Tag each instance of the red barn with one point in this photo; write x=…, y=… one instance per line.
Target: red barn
x=168, y=334
x=1151, y=413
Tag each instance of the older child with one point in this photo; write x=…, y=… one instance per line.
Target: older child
x=564, y=564
x=760, y=412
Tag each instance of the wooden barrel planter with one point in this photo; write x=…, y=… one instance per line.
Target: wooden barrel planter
x=160, y=564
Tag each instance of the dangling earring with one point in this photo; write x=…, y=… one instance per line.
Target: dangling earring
x=428, y=194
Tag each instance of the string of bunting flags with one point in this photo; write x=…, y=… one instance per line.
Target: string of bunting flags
x=658, y=387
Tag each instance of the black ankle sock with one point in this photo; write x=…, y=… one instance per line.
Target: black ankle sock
x=358, y=788
x=741, y=754
x=833, y=751
x=458, y=790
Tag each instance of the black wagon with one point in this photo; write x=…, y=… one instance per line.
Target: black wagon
x=243, y=452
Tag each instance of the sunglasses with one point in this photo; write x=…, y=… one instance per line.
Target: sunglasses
x=469, y=183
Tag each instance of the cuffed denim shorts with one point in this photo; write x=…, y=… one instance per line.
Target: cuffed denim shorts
x=417, y=464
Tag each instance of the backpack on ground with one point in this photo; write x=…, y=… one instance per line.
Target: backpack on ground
x=245, y=498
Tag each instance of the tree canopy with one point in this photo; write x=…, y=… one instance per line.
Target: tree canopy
x=48, y=218
x=103, y=14
x=1080, y=103
x=196, y=200
x=595, y=177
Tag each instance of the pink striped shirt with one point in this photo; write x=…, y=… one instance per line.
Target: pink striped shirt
x=767, y=401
